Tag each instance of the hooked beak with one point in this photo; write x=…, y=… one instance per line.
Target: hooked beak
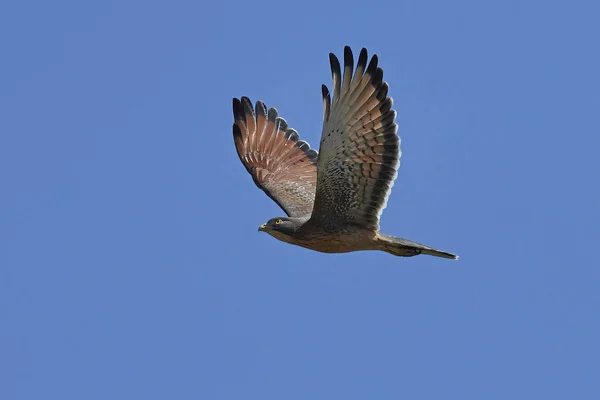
x=262, y=228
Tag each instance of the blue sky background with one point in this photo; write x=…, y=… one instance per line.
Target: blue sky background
x=131, y=266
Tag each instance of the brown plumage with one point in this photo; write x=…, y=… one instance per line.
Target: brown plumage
x=333, y=198
x=281, y=164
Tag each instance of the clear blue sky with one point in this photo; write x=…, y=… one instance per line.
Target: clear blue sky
x=130, y=262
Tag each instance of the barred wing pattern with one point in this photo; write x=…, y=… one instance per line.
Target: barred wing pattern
x=281, y=164
x=360, y=150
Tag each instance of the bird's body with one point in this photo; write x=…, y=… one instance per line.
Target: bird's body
x=327, y=239
x=333, y=198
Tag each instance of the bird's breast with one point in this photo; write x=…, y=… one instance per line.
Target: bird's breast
x=330, y=241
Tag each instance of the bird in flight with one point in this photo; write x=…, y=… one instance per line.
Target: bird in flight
x=333, y=198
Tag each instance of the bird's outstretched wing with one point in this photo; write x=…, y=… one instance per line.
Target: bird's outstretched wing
x=281, y=164
x=360, y=150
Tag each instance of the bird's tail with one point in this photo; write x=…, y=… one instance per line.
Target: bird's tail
x=406, y=248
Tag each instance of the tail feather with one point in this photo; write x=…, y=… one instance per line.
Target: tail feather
x=406, y=248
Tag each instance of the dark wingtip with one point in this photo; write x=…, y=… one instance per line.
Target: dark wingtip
x=386, y=105
x=281, y=123
x=362, y=58
x=326, y=102
x=324, y=91
x=391, y=146
x=292, y=135
x=272, y=114
x=383, y=90
x=348, y=63
x=260, y=108
x=247, y=106
x=335, y=64
x=238, y=109
x=312, y=155
x=372, y=68
x=348, y=56
x=377, y=78
x=302, y=145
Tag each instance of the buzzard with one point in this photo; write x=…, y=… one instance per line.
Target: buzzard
x=333, y=198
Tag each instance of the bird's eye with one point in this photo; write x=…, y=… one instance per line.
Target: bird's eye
x=277, y=221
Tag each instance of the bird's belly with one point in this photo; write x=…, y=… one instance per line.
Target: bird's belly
x=339, y=242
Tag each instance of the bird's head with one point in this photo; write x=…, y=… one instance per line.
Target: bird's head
x=281, y=227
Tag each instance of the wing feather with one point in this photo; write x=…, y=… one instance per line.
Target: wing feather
x=281, y=164
x=360, y=149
